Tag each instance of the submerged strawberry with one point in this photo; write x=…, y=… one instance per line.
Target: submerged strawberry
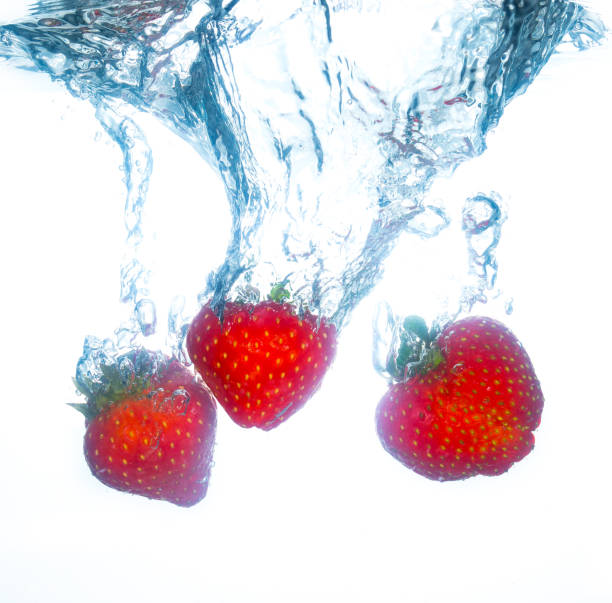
x=150, y=429
x=264, y=361
x=468, y=409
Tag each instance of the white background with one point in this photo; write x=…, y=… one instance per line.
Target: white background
x=314, y=510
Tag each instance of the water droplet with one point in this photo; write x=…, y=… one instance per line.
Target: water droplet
x=180, y=401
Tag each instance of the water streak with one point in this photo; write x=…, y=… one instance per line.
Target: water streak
x=328, y=121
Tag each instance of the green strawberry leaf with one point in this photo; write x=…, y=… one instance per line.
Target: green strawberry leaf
x=416, y=327
x=85, y=409
x=104, y=380
x=416, y=352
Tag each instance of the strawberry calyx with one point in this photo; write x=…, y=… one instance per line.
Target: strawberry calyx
x=104, y=380
x=417, y=351
x=279, y=293
x=250, y=297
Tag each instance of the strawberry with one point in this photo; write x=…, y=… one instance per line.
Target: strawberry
x=150, y=428
x=468, y=408
x=263, y=361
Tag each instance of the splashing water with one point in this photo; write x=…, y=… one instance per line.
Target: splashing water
x=482, y=217
x=327, y=120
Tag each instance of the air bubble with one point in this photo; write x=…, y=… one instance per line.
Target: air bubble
x=146, y=315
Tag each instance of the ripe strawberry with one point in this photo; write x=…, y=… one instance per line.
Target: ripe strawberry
x=150, y=429
x=264, y=361
x=469, y=409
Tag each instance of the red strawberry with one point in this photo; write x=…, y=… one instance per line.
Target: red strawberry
x=471, y=407
x=264, y=361
x=150, y=432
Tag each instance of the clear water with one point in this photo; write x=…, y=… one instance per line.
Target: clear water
x=327, y=149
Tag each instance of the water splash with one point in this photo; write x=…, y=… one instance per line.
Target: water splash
x=453, y=287
x=328, y=122
x=482, y=220
x=315, y=119
x=137, y=166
